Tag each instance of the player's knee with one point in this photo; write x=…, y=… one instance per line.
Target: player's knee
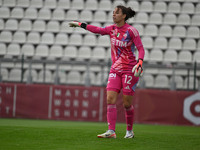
x=111, y=99
x=127, y=102
x=126, y=105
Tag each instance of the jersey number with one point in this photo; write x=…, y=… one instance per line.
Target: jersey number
x=128, y=79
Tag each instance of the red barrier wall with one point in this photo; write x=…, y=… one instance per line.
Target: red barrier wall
x=166, y=107
x=89, y=104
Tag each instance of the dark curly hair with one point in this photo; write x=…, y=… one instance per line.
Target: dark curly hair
x=126, y=10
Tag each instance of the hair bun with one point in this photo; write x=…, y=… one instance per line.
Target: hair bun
x=131, y=12
x=127, y=10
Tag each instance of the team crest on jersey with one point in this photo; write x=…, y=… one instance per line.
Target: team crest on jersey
x=125, y=35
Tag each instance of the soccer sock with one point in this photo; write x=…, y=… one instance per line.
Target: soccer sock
x=129, y=113
x=111, y=116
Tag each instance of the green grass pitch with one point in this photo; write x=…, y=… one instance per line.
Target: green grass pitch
x=22, y=134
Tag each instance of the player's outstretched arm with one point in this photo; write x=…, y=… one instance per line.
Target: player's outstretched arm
x=91, y=28
x=137, y=69
x=77, y=24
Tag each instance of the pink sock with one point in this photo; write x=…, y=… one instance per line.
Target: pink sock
x=111, y=116
x=129, y=112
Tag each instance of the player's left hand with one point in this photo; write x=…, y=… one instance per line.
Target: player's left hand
x=137, y=69
x=75, y=24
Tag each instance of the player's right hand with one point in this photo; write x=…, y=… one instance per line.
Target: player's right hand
x=137, y=69
x=75, y=24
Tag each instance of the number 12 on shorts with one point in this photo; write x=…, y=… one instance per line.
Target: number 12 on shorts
x=128, y=79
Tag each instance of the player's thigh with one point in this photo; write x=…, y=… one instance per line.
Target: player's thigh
x=129, y=83
x=114, y=82
x=114, y=86
x=112, y=97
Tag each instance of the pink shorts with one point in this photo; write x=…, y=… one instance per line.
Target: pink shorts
x=122, y=80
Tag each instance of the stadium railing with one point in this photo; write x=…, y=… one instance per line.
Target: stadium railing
x=163, y=80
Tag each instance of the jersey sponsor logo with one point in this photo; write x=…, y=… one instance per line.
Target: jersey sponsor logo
x=118, y=42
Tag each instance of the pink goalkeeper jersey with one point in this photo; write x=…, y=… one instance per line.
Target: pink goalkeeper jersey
x=123, y=42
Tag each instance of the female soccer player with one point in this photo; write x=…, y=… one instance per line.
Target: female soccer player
x=125, y=70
